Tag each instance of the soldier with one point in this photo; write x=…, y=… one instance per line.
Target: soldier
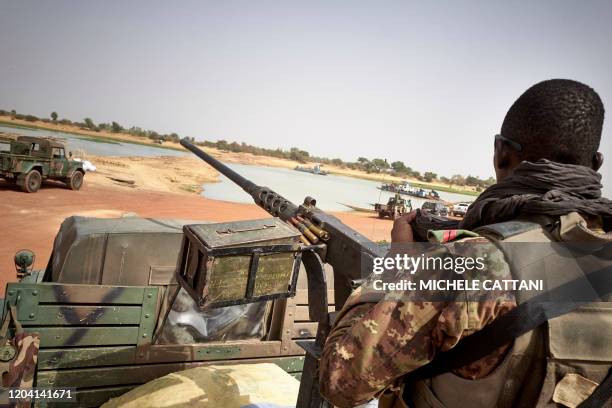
x=546, y=163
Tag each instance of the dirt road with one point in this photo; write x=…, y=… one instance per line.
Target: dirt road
x=32, y=220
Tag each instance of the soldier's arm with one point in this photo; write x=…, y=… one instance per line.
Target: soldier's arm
x=373, y=344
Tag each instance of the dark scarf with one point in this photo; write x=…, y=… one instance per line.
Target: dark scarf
x=540, y=188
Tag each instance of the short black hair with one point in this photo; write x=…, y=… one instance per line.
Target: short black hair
x=557, y=119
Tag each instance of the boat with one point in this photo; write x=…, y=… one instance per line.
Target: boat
x=405, y=189
x=313, y=170
x=359, y=209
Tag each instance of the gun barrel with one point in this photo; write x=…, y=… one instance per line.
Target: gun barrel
x=272, y=202
x=245, y=184
x=347, y=251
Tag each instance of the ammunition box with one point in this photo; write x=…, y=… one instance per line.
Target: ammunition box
x=239, y=262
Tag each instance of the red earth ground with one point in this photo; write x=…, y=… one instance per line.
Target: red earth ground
x=32, y=220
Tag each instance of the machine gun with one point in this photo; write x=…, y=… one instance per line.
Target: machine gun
x=328, y=240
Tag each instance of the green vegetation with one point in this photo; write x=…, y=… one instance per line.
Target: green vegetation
x=99, y=139
x=374, y=166
x=370, y=166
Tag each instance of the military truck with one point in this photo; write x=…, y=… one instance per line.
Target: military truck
x=395, y=207
x=111, y=315
x=27, y=161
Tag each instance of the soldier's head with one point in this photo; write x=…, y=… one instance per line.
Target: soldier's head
x=558, y=120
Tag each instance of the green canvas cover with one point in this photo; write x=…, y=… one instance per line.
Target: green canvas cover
x=118, y=251
x=133, y=251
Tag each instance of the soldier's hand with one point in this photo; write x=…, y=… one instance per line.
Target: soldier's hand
x=402, y=230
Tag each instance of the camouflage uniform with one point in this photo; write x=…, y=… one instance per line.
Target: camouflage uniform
x=379, y=337
x=18, y=367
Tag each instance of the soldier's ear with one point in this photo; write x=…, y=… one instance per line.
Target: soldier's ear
x=504, y=161
x=597, y=161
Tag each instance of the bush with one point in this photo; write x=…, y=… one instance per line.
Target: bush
x=116, y=127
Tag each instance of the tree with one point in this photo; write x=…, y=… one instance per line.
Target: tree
x=174, y=137
x=89, y=124
x=13, y=114
x=472, y=181
x=458, y=180
x=54, y=116
x=222, y=145
x=399, y=166
x=429, y=176
x=380, y=164
x=298, y=155
x=116, y=127
x=153, y=135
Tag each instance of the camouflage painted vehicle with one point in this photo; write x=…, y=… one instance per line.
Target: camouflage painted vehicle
x=108, y=322
x=27, y=161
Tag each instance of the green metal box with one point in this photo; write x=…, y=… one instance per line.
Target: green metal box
x=239, y=262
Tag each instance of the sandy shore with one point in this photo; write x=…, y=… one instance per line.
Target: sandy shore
x=163, y=174
x=32, y=220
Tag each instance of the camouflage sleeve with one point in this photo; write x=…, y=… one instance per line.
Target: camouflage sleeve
x=373, y=343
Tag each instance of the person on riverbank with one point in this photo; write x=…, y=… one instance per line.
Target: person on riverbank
x=398, y=348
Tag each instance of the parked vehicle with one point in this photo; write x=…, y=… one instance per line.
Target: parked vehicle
x=27, y=161
x=435, y=208
x=460, y=209
x=395, y=207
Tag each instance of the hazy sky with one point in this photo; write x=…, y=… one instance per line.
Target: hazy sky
x=425, y=83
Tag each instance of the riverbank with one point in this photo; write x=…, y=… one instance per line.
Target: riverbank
x=170, y=174
x=32, y=220
x=226, y=156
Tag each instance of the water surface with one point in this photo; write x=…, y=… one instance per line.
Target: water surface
x=96, y=147
x=329, y=191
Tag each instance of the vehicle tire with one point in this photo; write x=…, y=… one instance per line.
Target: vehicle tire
x=75, y=182
x=32, y=182
x=381, y=215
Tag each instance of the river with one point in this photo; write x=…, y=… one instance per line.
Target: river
x=329, y=191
